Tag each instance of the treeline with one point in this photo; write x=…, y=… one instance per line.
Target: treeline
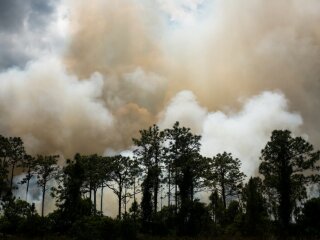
x=159, y=190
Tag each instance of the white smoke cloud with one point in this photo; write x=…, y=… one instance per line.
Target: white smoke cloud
x=243, y=133
x=45, y=103
x=185, y=109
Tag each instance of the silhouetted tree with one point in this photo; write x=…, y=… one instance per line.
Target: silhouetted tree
x=105, y=169
x=28, y=163
x=255, y=207
x=217, y=208
x=149, y=153
x=309, y=219
x=185, y=162
x=285, y=160
x=46, y=169
x=120, y=177
x=17, y=216
x=94, y=171
x=68, y=193
x=136, y=172
x=134, y=210
x=16, y=155
x=224, y=175
x=4, y=156
x=146, y=203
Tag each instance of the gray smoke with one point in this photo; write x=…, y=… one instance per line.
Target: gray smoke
x=116, y=67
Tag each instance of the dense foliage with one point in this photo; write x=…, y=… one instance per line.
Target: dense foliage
x=208, y=197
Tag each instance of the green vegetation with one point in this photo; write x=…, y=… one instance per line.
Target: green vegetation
x=166, y=165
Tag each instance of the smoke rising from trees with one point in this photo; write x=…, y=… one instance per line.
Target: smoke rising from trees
x=123, y=66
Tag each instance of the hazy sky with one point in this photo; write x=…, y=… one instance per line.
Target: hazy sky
x=85, y=76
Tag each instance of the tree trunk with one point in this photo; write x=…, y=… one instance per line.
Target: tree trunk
x=169, y=187
x=223, y=195
x=11, y=182
x=176, y=193
x=28, y=181
x=119, y=203
x=95, y=201
x=27, y=190
x=285, y=206
x=161, y=197
x=43, y=196
x=101, y=200
x=191, y=190
x=125, y=201
x=134, y=190
x=155, y=195
x=156, y=183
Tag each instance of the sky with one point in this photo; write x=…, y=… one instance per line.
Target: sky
x=86, y=76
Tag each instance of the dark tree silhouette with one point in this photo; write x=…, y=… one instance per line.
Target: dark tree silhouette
x=120, y=177
x=146, y=203
x=149, y=153
x=309, y=219
x=105, y=169
x=4, y=156
x=166, y=160
x=93, y=175
x=46, y=170
x=255, y=207
x=16, y=155
x=217, y=208
x=285, y=162
x=28, y=163
x=68, y=194
x=224, y=175
x=183, y=158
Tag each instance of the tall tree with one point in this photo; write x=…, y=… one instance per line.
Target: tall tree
x=255, y=207
x=224, y=175
x=184, y=160
x=288, y=165
x=93, y=172
x=68, y=193
x=120, y=177
x=105, y=169
x=146, y=203
x=149, y=152
x=4, y=156
x=16, y=155
x=28, y=163
x=186, y=167
x=217, y=207
x=46, y=169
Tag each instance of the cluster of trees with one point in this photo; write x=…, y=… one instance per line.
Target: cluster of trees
x=12, y=157
x=163, y=181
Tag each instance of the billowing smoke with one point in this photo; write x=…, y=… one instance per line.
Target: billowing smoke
x=243, y=133
x=120, y=66
x=53, y=110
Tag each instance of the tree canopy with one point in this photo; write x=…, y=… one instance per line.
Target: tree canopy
x=173, y=190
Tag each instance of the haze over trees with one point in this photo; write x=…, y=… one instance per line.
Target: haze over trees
x=173, y=190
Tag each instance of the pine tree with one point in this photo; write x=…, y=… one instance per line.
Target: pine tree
x=285, y=161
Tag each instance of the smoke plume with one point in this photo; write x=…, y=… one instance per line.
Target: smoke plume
x=243, y=133
x=120, y=66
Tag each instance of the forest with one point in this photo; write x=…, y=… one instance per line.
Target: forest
x=160, y=191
